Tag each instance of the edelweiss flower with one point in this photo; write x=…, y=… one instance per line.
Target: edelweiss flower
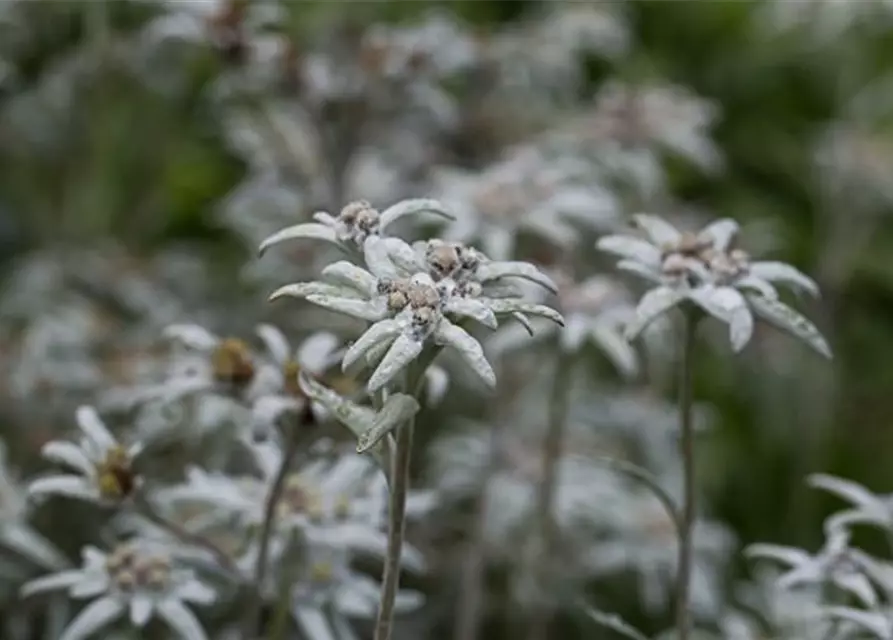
x=328, y=592
x=702, y=269
x=868, y=508
x=134, y=578
x=104, y=467
x=836, y=564
x=16, y=534
x=528, y=191
x=357, y=223
x=646, y=543
x=409, y=312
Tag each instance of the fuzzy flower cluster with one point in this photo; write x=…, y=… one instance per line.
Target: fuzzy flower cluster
x=415, y=295
x=705, y=270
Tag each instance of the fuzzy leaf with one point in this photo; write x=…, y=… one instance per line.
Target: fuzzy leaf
x=653, y=304
x=411, y=207
x=785, y=274
x=472, y=308
x=874, y=622
x=357, y=418
x=514, y=269
x=631, y=249
x=509, y=305
x=370, y=310
x=305, y=289
x=470, y=349
x=374, y=335
x=347, y=274
x=784, y=317
x=404, y=350
x=720, y=233
x=311, y=230
x=397, y=409
x=658, y=230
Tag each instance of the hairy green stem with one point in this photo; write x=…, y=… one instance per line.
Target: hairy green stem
x=687, y=450
x=399, y=489
x=553, y=445
x=251, y=622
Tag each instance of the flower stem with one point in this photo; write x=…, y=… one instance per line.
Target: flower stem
x=399, y=488
x=687, y=450
x=251, y=620
x=553, y=445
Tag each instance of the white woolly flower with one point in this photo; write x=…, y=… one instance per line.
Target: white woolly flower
x=646, y=544
x=328, y=592
x=703, y=269
x=410, y=309
x=867, y=507
x=103, y=467
x=136, y=580
x=16, y=535
x=526, y=192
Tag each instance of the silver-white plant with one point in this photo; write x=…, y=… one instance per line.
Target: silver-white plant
x=134, y=580
x=705, y=270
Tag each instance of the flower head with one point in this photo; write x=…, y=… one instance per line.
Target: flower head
x=704, y=270
x=104, y=468
x=136, y=579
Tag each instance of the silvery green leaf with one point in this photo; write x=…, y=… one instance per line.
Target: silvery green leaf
x=370, y=310
x=404, y=350
x=514, y=269
x=472, y=308
x=470, y=349
x=614, y=623
x=180, y=619
x=404, y=257
x=874, y=622
x=790, y=556
x=720, y=233
x=411, y=207
x=616, y=348
x=374, y=335
x=651, y=274
x=310, y=230
x=509, y=305
x=345, y=273
x=757, y=285
x=786, y=274
x=52, y=582
x=523, y=321
x=782, y=316
x=191, y=335
x=355, y=417
x=657, y=229
x=729, y=306
x=632, y=249
x=653, y=304
x=398, y=408
x=98, y=614
x=375, y=253
x=305, y=289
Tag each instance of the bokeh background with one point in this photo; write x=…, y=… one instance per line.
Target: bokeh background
x=147, y=147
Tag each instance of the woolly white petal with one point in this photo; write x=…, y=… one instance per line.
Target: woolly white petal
x=411, y=207
x=470, y=349
x=310, y=230
x=370, y=310
x=720, y=233
x=140, y=609
x=65, y=485
x=514, y=269
x=275, y=342
x=192, y=335
x=68, y=454
x=471, y=308
x=785, y=274
x=404, y=350
x=306, y=289
x=89, y=422
x=375, y=253
x=52, y=582
x=313, y=623
x=659, y=231
x=631, y=249
x=348, y=274
x=316, y=352
x=181, y=619
x=97, y=615
x=378, y=332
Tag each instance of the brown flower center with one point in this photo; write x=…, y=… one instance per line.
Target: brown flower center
x=232, y=364
x=115, y=473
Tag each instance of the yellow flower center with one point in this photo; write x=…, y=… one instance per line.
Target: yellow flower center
x=115, y=474
x=232, y=363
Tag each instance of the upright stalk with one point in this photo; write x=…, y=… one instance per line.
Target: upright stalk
x=552, y=448
x=399, y=490
x=687, y=450
x=396, y=529
x=251, y=622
